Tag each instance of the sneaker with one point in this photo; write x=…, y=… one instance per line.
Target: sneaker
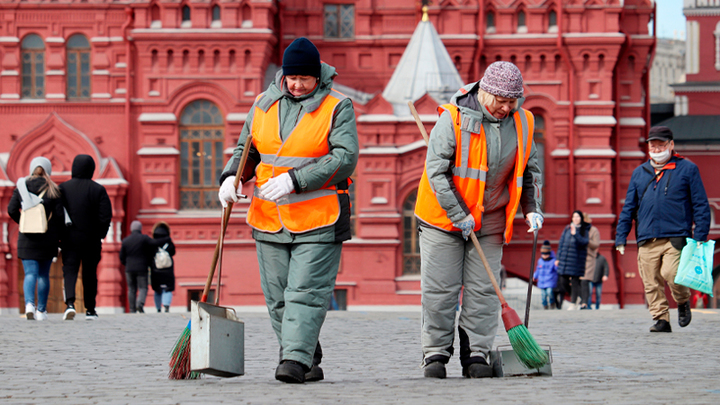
x=315, y=374
x=478, y=370
x=41, y=316
x=661, y=326
x=91, y=315
x=435, y=369
x=291, y=372
x=30, y=311
x=684, y=314
x=69, y=314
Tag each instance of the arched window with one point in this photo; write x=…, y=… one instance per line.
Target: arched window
x=155, y=21
x=411, y=242
x=78, y=67
x=33, y=67
x=552, y=22
x=186, y=22
x=490, y=22
x=521, y=27
x=216, y=13
x=202, y=136
x=539, y=139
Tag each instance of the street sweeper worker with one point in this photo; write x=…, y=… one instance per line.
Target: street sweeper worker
x=304, y=148
x=665, y=198
x=481, y=166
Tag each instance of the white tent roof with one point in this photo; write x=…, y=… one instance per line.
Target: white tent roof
x=425, y=67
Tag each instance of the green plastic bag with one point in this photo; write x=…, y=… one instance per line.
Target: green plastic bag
x=696, y=264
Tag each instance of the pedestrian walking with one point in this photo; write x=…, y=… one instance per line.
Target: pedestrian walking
x=481, y=164
x=36, y=250
x=90, y=211
x=162, y=267
x=572, y=256
x=592, y=251
x=600, y=275
x=304, y=149
x=667, y=201
x=546, y=276
x=136, y=254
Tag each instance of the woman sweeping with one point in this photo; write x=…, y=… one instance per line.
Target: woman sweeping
x=481, y=166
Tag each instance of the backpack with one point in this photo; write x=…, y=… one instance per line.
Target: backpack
x=162, y=258
x=33, y=219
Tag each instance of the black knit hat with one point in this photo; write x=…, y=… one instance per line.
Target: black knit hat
x=545, y=248
x=301, y=58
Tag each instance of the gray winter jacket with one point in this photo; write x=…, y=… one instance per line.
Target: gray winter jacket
x=501, y=138
x=332, y=169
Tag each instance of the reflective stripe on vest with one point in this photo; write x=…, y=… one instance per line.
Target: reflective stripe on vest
x=306, y=144
x=470, y=171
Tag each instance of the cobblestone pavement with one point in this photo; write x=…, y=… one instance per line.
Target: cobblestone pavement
x=600, y=357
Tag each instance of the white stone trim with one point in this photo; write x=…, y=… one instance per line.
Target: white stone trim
x=120, y=91
x=543, y=82
x=216, y=24
x=57, y=96
x=632, y=122
x=236, y=117
x=153, y=93
x=55, y=72
x=595, y=120
x=378, y=200
x=9, y=73
x=101, y=72
x=9, y=39
x=692, y=55
x=55, y=40
x=158, y=201
x=157, y=117
x=112, y=182
x=157, y=150
x=205, y=31
x=9, y=96
x=583, y=152
x=101, y=95
x=633, y=154
x=560, y=153
x=120, y=65
x=156, y=24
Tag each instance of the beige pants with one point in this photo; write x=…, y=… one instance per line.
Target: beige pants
x=658, y=263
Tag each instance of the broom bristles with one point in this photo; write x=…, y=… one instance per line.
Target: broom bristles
x=180, y=358
x=526, y=349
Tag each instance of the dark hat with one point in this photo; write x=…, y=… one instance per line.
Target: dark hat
x=301, y=58
x=545, y=247
x=502, y=79
x=660, y=133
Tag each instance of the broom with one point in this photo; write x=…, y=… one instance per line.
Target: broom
x=526, y=349
x=180, y=354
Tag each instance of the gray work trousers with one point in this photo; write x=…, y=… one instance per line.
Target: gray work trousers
x=298, y=281
x=449, y=263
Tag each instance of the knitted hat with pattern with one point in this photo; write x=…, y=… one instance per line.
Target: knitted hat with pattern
x=503, y=79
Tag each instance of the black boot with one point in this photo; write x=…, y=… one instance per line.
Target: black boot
x=479, y=369
x=684, y=314
x=661, y=326
x=167, y=308
x=435, y=366
x=291, y=372
x=315, y=373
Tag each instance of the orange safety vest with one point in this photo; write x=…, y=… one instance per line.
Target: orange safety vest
x=471, y=170
x=306, y=144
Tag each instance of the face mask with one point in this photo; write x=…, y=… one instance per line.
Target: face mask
x=660, y=157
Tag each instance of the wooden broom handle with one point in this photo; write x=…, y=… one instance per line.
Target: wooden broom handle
x=487, y=268
x=226, y=218
x=419, y=122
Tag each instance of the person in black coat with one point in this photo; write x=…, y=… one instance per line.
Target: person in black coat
x=36, y=250
x=163, y=280
x=572, y=253
x=135, y=255
x=90, y=211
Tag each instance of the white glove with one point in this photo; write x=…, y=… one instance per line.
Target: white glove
x=534, y=221
x=277, y=187
x=228, y=193
x=466, y=225
x=621, y=249
x=700, y=243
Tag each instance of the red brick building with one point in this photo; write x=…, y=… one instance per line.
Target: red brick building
x=157, y=91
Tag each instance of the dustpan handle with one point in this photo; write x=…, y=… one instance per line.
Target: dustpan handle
x=225, y=220
x=530, y=280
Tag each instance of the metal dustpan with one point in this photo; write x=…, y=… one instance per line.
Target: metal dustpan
x=506, y=364
x=217, y=346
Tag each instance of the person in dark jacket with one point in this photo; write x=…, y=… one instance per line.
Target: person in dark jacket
x=90, y=211
x=546, y=275
x=572, y=254
x=602, y=271
x=163, y=280
x=135, y=254
x=665, y=198
x=36, y=250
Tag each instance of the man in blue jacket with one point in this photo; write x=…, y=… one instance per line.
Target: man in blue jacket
x=665, y=197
